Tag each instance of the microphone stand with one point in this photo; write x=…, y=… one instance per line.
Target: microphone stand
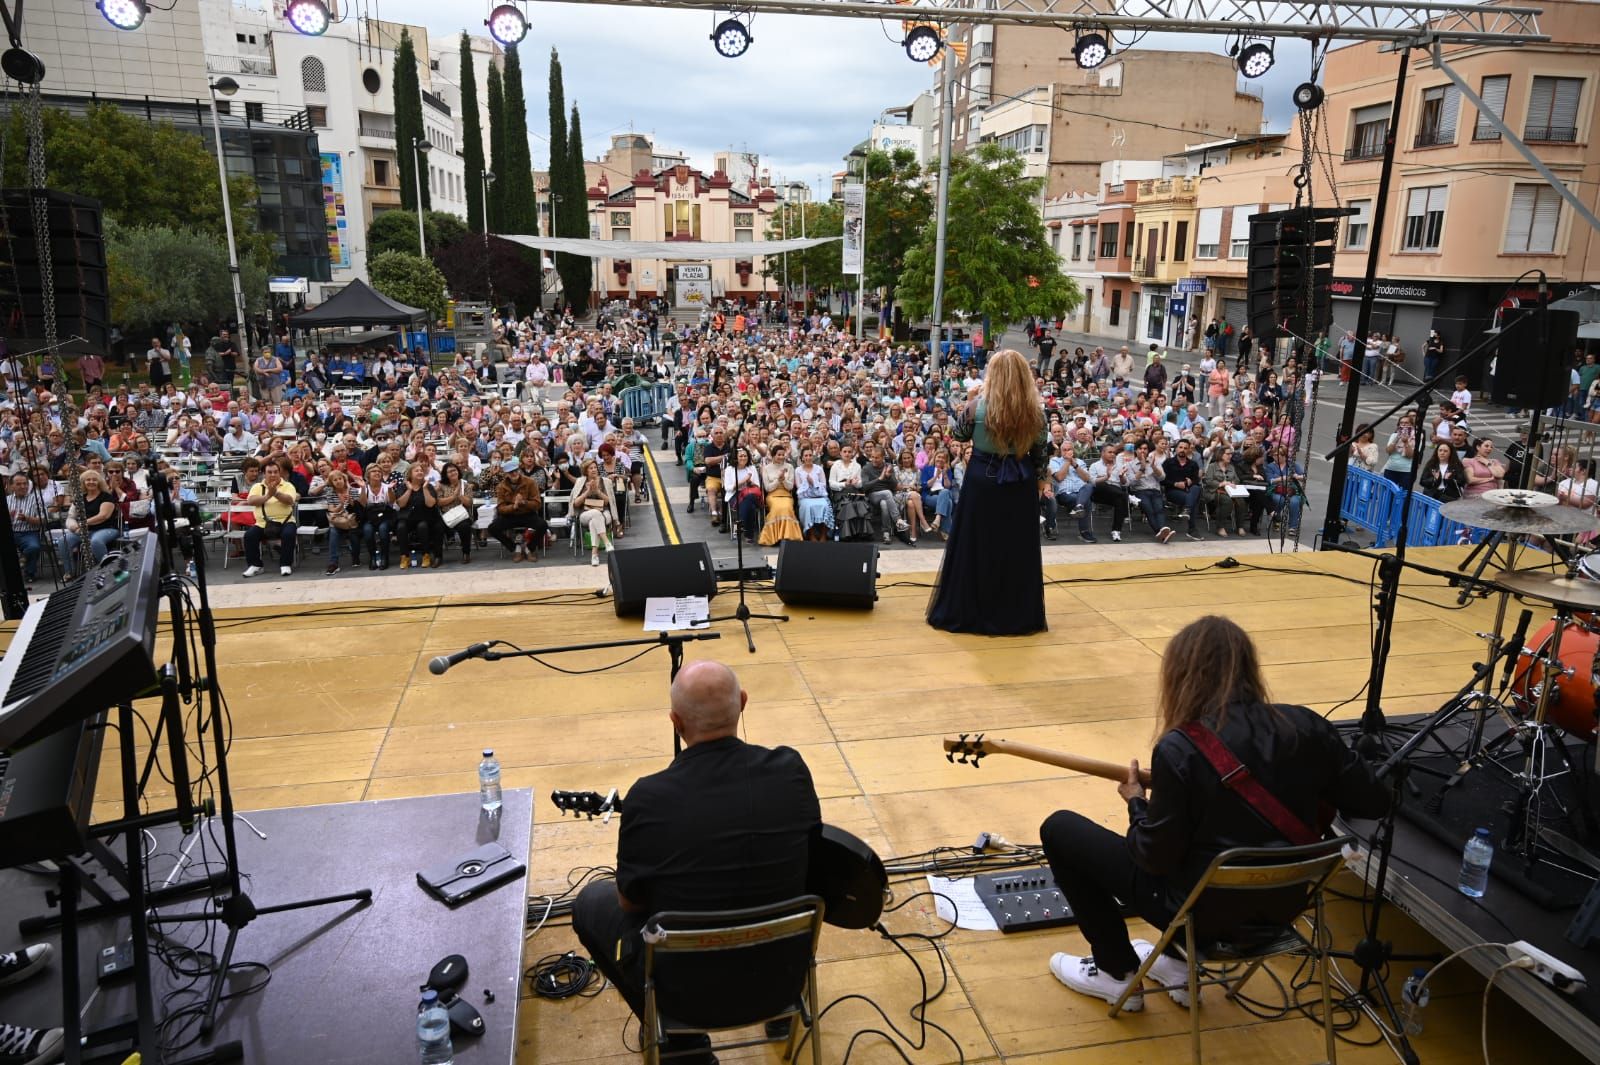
x=742, y=613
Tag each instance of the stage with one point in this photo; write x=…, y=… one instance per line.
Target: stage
x=335, y=704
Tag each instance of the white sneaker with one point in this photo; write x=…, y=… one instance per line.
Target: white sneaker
x=286, y=570
x=1116, y=537
x=900, y=525
x=251, y=571
x=1081, y=974
x=1167, y=971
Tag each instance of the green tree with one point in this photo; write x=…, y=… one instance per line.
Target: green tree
x=408, y=127
x=521, y=213
x=143, y=173
x=472, y=136
x=497, y=151
x=560, y=173
x=575, y=206
x=397, y=231
x=899, y=205
x=998, y=262
x=411, y=279
x=819, y=267
x=161, y=274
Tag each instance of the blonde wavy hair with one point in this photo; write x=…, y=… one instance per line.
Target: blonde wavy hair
x=1013, y=410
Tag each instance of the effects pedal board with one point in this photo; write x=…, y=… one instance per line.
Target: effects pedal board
x=1024, y=899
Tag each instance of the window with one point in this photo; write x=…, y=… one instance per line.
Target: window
x=744, y=236
x=985, y=49
x=1180, y=242
x=1116, y=304
x=1108, y=239
x=313, y=75
x=254, y=112
x=1208, y=233
x=1026, y=139
x=1535, y=213
x=1055, y=241
x=1162, y=254
x=1425, y=218
x=380, y=172
x=1239, y=233
x=1156, y=317
x=1093, y=227
x=1553, y=110
x=1358, y=224
x=1127, y=251
x=1438, y=124
x=317, y=116
x=1077, y=243
x=1493, y=92
x=224, y=107
x=622, y=233
x=1369, y=125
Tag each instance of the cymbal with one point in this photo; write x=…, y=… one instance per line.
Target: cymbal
x=1550, y=521
x=1551, y=586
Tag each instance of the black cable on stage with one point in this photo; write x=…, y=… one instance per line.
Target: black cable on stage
x=564, y=975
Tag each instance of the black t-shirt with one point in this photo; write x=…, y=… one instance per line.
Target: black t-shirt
x=1047, y=344
x=713, y=451
x=1176, y=469
x=727, y=825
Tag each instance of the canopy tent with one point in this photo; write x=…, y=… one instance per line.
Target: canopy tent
x=686, y=250
x=357, y=304
x=1587, y=303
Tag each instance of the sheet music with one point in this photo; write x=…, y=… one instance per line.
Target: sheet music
x=671, y=613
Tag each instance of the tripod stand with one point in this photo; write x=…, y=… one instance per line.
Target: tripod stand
x=742, y=613
x=236, y=909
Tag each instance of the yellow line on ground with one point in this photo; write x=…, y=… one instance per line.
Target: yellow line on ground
x=663, y=507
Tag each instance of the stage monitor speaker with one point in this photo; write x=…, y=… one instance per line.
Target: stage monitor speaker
x=641, y=573
x=828, y=574
x=1535, y=375
x=78, y=255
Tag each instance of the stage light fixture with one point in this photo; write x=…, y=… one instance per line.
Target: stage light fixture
x=923, y=43
x=308, y=17
x=1307, y=96
x=124, y=14
x=507, y=25
x=1090, y=50
x=1255, y=59
x=731, y=38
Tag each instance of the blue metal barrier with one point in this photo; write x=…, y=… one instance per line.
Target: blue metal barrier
x=1371, y=502
x=1427, y=527
x=645, y=403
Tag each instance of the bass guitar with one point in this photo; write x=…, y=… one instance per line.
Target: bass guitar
x=975, y=749
x=841, y=869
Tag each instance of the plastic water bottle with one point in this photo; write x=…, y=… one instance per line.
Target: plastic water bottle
x=489, y=782
x=1413, y=1000
x=1475, y=861
x=433, y=1031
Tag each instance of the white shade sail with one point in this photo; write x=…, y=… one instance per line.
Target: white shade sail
x=685, y=250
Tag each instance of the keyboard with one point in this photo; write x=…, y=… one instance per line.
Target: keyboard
x=84, y=648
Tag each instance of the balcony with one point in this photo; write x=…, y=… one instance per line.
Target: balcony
x=435, y=103
x=378, y=133
x=1551, y=134
x=1363, y=151
x=1485, y=133
x=1432, y=138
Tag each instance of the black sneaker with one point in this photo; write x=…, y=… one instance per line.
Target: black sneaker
x=1193, y=536
x=21, y=964
x=28, y=1046
x=1087, y=537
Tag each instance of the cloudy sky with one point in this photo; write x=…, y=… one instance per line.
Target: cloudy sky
x=807, y=90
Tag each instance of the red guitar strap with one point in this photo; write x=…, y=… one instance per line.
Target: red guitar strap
x=1236, y=776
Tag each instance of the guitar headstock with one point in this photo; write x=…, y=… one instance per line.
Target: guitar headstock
x=966, y=751
x=587, y=803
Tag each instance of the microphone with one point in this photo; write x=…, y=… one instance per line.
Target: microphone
x=1513, y=649
x=477, y=650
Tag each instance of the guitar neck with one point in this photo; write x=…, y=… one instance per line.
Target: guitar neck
x=1061, y=759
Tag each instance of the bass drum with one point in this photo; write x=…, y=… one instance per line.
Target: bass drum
x=1573, y=705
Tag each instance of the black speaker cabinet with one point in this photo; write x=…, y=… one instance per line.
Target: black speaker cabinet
x=1535, y=375
x=640, y=573
x=78, y=255
x=828, y=574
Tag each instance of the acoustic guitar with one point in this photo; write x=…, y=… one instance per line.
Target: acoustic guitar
x=974, y=750
x=841, y=869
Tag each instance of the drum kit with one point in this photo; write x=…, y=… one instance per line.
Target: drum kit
x=1551, y=688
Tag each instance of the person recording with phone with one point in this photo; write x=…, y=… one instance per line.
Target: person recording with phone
x=1402, y=450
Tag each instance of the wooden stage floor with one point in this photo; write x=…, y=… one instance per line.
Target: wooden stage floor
x=336, y=704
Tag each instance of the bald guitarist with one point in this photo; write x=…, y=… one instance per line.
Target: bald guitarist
x=1281, y=763
x=726, y=826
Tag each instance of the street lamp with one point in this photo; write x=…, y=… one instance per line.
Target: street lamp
x=419, y=148
x=804, y=192
x=227, y=87
x=488, y=269
x=861, y=278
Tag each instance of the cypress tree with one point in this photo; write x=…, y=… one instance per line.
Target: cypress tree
x=472, y=133
x=521, y=213
x=583, y=276
x=408, y=123
x=497, y=152
x=560, y=193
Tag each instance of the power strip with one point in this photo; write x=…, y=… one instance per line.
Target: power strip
x=1547, y=967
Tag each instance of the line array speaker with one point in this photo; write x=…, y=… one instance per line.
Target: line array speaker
x=78, y=254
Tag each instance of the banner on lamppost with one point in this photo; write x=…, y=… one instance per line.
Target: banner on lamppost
x=855, y=224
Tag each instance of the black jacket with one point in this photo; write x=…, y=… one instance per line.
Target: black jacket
x=1191, y=816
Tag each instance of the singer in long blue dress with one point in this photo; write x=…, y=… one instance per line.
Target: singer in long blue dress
x=991, y=581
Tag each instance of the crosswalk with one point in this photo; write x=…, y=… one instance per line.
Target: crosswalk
x=1485, y=417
